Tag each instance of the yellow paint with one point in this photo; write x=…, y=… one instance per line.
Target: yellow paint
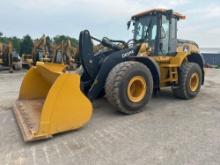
x=194, y=82
x=178, y=59
x=144, y=50
x=137, y=88
x=191, y=48
x=65, y=107
x=169, y=67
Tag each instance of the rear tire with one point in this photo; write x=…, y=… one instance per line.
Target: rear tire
x=129, y=87
x=190, y=78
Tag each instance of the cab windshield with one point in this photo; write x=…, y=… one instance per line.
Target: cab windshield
x=158, y=30
x=145, y=28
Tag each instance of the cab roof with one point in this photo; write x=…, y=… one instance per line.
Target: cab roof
x=159, y=10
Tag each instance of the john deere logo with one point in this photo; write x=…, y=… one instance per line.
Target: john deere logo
x=127, y=54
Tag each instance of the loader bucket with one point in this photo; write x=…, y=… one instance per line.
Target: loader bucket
x=50, y=101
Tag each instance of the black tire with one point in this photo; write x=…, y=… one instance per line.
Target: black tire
x=117, y=85
x=183, y=90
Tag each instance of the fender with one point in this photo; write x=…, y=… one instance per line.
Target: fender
x=112, y=61
x=198, y=58
x=107, y=65
x=153, y=66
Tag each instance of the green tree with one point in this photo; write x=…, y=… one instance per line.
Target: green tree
x=3, y=39
x=59, y=38
x=16, y=42
x=74, y=42
x=26, y=45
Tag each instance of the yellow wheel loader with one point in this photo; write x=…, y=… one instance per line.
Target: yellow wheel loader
x=52, y=100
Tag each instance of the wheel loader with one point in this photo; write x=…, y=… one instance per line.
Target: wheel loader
x=52, y=100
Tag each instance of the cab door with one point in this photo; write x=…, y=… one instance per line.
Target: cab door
x=167, y=36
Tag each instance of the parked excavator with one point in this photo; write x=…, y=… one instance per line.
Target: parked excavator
x=53, y=100
x=65, y=53
x=9, y=58
x=42, y=50
x=27, y=61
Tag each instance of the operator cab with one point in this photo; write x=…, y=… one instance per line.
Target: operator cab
x=158, y=28
x=15, y=56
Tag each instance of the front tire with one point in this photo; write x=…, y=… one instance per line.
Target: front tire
x=190, y=80
x=129, y=87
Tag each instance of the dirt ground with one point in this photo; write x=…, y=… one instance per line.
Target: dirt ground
x=169, y=132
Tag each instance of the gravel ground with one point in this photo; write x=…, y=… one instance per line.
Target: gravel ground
x=169, y=132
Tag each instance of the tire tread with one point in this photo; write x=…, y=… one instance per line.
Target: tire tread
x=113, y=84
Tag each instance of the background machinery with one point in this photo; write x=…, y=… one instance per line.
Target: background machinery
x=52, y=100
x=42, y=50
x=9, y=58
x=65, y=53
x=27, y=61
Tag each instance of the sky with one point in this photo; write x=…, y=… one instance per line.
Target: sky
x=106, y=18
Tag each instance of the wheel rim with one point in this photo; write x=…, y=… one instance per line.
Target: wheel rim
x=136, y=89
x=194, y=82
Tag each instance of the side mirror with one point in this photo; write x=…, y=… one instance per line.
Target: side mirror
x=128, y=25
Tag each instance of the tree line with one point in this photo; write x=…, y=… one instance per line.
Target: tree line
x=24, y=45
